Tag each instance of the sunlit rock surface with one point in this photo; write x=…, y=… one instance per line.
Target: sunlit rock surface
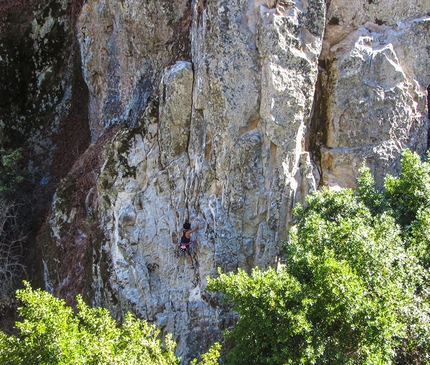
x=375, y=80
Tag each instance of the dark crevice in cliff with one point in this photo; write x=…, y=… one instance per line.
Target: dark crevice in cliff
x=71, y=141
x=180, y=43
x=72, y=137
x=317, y=133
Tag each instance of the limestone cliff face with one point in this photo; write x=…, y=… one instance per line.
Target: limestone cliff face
x=228, y=112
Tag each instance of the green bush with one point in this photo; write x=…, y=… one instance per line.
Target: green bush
x=409, y=193
x=354, y=286
x=211, y=357
x=51, y=333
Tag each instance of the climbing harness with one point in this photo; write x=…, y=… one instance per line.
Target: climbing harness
x=185, y=247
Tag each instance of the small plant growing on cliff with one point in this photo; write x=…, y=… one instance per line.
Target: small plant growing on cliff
x=12, y=172
x=51, y=333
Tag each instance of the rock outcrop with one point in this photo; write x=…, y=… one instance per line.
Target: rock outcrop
x=225, y=113
x=374, y=82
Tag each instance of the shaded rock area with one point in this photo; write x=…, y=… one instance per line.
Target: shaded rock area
x=43, y=102
x=221, y=113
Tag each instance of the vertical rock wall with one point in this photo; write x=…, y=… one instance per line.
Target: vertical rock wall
x=218, y=137
x=220, y=103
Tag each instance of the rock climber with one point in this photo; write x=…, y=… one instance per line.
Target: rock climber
x=184, y=245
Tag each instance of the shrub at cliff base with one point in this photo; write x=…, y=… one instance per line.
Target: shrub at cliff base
x=354, y=287
x=52, y=334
